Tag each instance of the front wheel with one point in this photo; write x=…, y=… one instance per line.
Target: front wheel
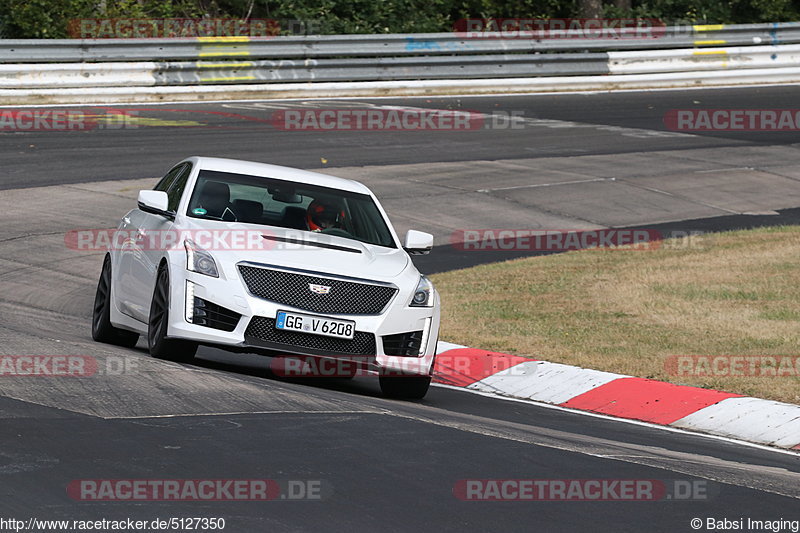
x=178, y=350
x=406, y=387
x=102, y=330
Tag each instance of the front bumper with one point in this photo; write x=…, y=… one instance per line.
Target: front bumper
x=254, y=331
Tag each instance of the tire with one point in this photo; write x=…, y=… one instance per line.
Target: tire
x=178, y=350
x=102, y=330
x=405, y=387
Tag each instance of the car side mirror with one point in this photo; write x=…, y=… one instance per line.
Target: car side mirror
x=155, y=202
x=418, y=242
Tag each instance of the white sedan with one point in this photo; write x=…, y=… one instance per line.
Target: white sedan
x=251, y=257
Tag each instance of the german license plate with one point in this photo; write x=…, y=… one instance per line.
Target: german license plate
x=315, y=325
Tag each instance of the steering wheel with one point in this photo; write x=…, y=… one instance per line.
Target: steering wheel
x=337, y=232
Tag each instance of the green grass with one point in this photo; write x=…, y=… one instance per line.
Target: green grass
x=733, y=293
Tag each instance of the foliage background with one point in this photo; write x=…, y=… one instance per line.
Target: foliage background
x=41, y=19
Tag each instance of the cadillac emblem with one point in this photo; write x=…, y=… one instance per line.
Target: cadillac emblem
x=318, y=289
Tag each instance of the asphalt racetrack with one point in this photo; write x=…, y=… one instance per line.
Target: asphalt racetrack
x=577, y=161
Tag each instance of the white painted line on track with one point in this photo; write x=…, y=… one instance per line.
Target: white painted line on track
x=623, y=420
x=237, y=413
x=573, y=182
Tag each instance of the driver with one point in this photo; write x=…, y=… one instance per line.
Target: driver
x=321, y=216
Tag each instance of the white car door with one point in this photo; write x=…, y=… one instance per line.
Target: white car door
x=139, y=259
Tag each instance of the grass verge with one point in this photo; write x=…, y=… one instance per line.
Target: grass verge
x=626, y=311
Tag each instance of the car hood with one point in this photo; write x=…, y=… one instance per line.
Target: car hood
x=295, y=249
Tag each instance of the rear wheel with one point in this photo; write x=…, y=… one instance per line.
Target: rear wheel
x=160, y=346
x=102, y=330
x=406, y=387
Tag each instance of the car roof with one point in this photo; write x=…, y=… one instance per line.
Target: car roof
x=265, y=170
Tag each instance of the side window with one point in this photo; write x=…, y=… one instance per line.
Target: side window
x=166, y=181
x=177, y=187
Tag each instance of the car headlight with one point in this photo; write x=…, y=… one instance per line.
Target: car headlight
x=423, y=294
x=199, y=260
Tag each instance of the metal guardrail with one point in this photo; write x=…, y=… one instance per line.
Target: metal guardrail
x=390, y=45
x=60, y=64
x=688, y=59
x=393, y=68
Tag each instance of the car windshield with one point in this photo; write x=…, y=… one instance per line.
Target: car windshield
x=287, y=204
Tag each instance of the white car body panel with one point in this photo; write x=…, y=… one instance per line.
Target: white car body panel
x=135, y=269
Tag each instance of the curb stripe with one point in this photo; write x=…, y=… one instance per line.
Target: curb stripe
x=544, y=381
x=647, y=400
x=679, y=406
x=753, y=419
x=464, y=366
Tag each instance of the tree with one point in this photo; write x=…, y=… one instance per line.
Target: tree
x=590, y=9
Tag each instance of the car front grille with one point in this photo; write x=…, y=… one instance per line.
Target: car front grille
x=261, y=332
x=294, y=289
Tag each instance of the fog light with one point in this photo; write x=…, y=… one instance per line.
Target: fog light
x=189, y=301
x=425, y=331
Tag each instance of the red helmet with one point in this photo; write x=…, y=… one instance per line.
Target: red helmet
x=320, y=216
